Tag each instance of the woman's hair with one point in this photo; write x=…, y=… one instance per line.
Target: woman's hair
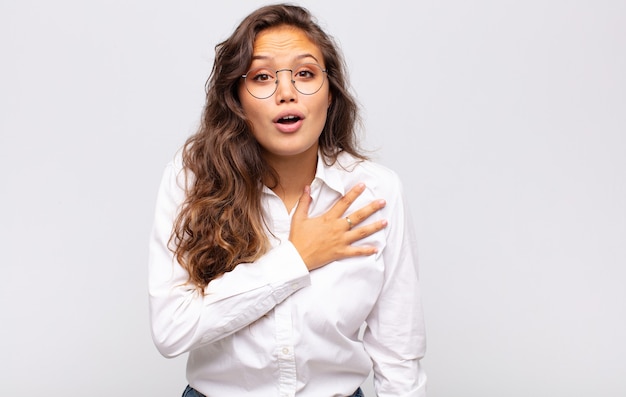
x=221, y=223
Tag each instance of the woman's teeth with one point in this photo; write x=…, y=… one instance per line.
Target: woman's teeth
x=289, y=119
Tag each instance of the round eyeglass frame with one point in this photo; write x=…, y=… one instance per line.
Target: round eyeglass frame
x=293, y=82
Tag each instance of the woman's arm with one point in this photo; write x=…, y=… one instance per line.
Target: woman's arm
x=182, y=319
x=395, y=335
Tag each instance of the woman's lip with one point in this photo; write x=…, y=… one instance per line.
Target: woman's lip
x=288, y=128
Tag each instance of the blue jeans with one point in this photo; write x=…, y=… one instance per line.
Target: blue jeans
x=189, y=392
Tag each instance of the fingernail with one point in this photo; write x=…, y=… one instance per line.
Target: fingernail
x=382, y=202
x=384, y=222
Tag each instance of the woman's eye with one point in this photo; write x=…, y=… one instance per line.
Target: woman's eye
x=304, y=74
x=262, y=77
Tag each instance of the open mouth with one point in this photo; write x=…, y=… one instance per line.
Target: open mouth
x=288, y=120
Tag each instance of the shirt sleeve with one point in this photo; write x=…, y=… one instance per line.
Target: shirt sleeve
x=395, y=335
x=183, y=319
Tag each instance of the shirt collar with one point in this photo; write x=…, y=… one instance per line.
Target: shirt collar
x=329, y=175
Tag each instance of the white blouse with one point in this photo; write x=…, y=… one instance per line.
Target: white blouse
x=272, y=328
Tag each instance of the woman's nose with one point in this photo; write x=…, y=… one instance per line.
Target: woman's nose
x=285, y=90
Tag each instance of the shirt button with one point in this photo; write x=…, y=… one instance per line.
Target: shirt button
x=285, y=350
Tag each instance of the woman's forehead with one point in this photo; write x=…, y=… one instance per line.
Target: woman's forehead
x=285, y=42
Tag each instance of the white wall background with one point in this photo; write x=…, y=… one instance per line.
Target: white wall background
x=506, y=120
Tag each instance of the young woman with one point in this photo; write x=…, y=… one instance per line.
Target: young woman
x=281, y=259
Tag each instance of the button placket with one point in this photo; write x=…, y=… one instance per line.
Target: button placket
x=285, y=350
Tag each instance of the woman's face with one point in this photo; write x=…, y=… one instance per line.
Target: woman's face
x=288, y=123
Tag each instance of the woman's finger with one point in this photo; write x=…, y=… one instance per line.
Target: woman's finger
x=342, y=205
x=302, y=208
x=361, y=232
x=363, y=213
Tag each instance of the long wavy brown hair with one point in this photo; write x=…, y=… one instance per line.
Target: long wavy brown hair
x=220, y=223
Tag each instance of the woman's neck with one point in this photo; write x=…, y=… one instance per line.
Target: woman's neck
x=294, y=173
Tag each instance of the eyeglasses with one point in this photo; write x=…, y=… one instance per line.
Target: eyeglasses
x=307, y=78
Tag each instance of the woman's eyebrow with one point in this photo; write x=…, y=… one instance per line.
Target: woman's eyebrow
x=267, y=57
x=307, y=56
